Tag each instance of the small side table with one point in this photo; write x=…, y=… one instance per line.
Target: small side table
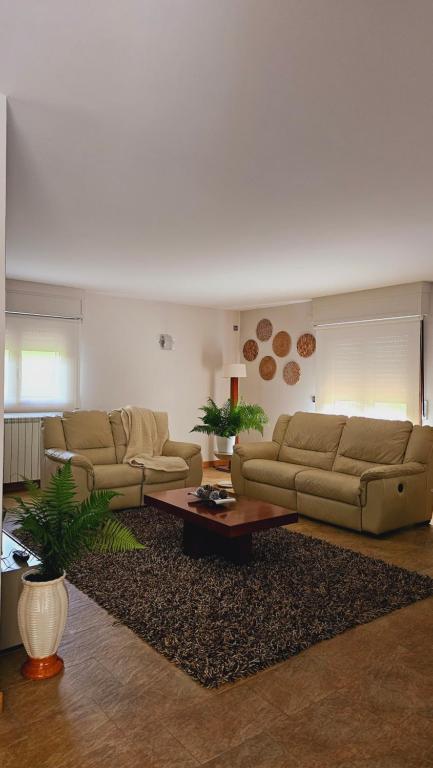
x=11, y=573
x=224, y=457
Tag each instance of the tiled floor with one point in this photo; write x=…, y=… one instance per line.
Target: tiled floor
x=361, y=700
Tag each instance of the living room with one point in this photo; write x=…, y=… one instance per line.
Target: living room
x=218, y=407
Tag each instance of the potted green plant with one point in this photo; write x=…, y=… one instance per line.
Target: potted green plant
x=61, y=530
x=229, y=420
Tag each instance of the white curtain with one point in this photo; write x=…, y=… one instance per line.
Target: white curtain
x=370, y=369
x=41, y=363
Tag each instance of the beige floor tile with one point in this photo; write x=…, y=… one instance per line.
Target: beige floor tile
x=260, y=751
x=337, y=728
x=208, y=729
x=298, y=682
x=157, y=748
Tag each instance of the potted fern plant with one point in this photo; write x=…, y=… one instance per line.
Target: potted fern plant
x=229, y=420
x=61, y=530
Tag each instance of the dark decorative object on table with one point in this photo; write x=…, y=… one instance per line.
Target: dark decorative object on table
x=210, y=493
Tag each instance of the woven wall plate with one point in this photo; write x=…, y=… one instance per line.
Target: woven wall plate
x=291, y=372
x=264, y=330
x=306, y=345
x=282, y=343
x=250, y=350
x=267, y=368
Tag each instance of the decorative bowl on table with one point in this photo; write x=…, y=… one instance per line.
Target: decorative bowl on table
x=210, y=494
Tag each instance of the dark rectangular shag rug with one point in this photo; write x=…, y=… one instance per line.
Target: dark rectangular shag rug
x=220, y=622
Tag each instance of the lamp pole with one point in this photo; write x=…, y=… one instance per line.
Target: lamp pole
x=234, y=390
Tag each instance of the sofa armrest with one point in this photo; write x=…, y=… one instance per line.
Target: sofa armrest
x=393, y=496
x=185, y=450
x=385, y=471
x=259, y=450
x=76, y=459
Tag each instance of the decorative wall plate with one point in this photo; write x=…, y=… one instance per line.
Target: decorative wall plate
x=291, y=372
x=282, y=343
x=306, y=345
x=250, y=350
x=267, y=368
x=264, y=330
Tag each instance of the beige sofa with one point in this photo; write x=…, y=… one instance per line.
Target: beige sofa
x=366, y=474
x=95, y=442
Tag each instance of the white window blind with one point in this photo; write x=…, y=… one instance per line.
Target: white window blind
x=370, y=369
x=41, y=363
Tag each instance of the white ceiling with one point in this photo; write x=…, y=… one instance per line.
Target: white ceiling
x=219, y=152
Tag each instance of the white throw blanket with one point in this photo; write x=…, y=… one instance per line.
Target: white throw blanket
x=144, y=443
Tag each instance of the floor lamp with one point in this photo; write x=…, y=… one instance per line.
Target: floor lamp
x=234, y=372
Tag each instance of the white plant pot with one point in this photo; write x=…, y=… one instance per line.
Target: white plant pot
x=225, y=444
x=42, y=614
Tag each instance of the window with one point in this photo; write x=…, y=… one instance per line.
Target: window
x=41, y=363
x=370, y=369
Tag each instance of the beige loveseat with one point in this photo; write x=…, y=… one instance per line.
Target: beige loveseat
x=95, y=442
x=366, y=474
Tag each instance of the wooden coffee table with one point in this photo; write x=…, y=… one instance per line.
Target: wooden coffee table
x=225, y=531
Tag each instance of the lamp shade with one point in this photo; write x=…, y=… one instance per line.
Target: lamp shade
x=235, y=371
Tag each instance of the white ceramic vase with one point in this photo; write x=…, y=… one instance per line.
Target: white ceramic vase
x=225, y=444
x=42, y=613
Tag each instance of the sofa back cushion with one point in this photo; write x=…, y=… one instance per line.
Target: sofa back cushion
x=420, y=445
x=119, y=435
x=52, y=433
x=89, y=433
x=369, y=442
x=161, y=421
x=280, y=428
x=312, y=439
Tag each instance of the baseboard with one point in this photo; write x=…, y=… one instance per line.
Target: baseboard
x=215, y=463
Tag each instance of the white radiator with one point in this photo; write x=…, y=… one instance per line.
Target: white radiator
x=22, y=439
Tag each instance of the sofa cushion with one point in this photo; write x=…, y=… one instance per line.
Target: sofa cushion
x=329, y=485
x=312, y=439
x=280, y=428
x=119, y=435
x=154, y=476
x=116, y=476
x=420, y=445
x=279, y=473
x=53, y=434
x=89, y=433
x=87, y=429
x=368, y=442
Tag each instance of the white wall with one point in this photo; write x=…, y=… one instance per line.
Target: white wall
x=428, y=363
x=276, y=396
x=122, y=363
x=2, y=285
